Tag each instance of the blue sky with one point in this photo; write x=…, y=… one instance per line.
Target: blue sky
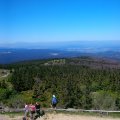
x=59, y=20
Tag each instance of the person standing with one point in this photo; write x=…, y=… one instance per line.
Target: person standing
x=32, y=110
x=54, y=101
x=37, y=106
x=26, y=111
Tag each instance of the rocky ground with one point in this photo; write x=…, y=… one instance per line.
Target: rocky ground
x=60, y=116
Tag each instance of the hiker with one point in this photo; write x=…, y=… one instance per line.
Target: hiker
x=37, y=106
x=26, y=111
x=54, y=102
x=32, y=111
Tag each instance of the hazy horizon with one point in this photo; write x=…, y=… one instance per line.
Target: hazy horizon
x=64, y=45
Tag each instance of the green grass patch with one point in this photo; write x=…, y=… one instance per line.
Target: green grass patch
x=13, y=114
x=115, y=115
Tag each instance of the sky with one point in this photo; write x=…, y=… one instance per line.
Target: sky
x=37, y=21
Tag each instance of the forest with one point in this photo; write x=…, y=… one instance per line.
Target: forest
x=84, y=83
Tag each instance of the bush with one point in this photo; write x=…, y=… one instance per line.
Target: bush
x=18, y=101
x=104, y=100
x=4, y=94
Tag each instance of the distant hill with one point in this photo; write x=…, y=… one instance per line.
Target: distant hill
x=16, y=55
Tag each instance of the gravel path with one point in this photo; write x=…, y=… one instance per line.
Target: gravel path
x=61, y=116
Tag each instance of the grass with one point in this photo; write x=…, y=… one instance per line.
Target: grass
x=13, y=114
x=115, y=115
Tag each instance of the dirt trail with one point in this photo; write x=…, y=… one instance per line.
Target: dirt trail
x=4, y=75
x=61, y=116
x=74, y=117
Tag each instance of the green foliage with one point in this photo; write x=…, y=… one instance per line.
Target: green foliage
x=22, y=79
x=75, y=83
x=104, y=100
x=4, y=94
x=3, y=84
x=19, y=100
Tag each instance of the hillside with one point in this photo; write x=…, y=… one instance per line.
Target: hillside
x=85, y=83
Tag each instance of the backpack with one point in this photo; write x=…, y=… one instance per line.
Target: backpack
x=54, y=100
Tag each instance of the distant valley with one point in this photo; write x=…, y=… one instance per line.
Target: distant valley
x=17, y=55
x=104, y=50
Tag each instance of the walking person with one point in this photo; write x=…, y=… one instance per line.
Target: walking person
x=54, y=101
